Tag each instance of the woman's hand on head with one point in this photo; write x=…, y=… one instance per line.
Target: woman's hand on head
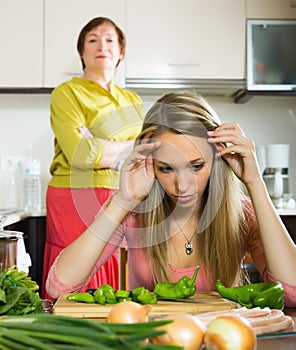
x=137, y=175
x=239, y=151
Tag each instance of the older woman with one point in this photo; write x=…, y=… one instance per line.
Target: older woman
x=94, y=123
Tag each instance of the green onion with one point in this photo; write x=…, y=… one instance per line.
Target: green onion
x=53, y=332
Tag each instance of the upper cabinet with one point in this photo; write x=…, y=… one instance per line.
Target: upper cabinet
x=271, y=9
x=201, y=39
x=38, y=39
x=63, y=22
x=192, y=39
x=21, y=36
x=198, y=39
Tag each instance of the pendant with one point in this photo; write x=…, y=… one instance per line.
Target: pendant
x=188, y=248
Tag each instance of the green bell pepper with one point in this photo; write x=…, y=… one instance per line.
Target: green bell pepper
x=254, y=294
x=83, y=297
x=143, y=296
x=120, y=293
x=185, y=287
x=99, y=296
x=123, y=295
x=106, y=294
x=120, y=299
x=109, y=293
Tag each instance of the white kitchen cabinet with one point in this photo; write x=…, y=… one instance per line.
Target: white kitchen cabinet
x=21, y=37
x=271, y=9
x=63, y=22
x=200, y=39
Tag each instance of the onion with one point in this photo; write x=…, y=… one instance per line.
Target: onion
x=230, y=332
x=185, y=330
x=128, y=312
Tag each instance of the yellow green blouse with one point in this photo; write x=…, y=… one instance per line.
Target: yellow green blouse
x=116, y=116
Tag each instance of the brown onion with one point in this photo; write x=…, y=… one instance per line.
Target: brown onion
x=128, y=312
x=185, y=330
x=230, y=332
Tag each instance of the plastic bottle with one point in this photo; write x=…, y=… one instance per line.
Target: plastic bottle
x=31, y=186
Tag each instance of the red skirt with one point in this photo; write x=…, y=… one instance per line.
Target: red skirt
x=68, y=213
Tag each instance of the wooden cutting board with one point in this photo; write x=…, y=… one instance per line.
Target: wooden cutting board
x=203, y=302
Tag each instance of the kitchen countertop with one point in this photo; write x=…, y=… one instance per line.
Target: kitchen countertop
x=16, y=216
x=280, y=340
x=9, y=218
x=286, y=212
x=211, y=301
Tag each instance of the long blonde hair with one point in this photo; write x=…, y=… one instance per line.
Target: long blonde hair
x=221, y=223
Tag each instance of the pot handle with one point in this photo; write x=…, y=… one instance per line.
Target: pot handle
x=2, y=219
x=23, y=258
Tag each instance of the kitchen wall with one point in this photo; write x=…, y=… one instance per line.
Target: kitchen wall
x=25, y=120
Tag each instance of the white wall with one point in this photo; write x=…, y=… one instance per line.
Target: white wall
x=25, y=120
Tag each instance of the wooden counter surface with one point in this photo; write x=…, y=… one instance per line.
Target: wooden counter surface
x=203, y=302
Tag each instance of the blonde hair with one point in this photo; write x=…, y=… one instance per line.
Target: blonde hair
x=222, y=220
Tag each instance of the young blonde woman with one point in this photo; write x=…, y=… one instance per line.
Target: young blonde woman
x=180, y=204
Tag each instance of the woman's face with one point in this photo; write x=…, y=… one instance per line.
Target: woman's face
x=183, y=164
x=101, y=48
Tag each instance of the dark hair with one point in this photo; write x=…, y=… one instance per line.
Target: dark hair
x=95, y=22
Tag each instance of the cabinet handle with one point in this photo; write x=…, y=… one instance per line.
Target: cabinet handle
x=184, y=64
x=73, y=74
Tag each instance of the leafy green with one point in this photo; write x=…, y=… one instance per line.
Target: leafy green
x=18, y=293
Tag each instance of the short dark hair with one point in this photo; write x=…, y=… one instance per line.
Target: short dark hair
x=95, y=22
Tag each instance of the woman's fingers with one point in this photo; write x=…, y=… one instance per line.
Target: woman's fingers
x=229, y=135
x=137, y=173
x=141, y=152
x=236, y=149
x=243, y=151
x=230, y=126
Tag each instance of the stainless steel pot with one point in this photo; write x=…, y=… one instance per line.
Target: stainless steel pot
x=8, y=248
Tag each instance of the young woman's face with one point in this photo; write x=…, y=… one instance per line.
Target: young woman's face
x=183, y=164
x=101, y=48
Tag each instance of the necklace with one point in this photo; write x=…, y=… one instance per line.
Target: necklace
x=188, y=245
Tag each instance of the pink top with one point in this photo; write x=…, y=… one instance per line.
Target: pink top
x=140, y=270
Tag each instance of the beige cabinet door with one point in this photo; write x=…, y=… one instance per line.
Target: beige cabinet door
x=63, y=22
x=21, y=37
x=271, y=9
x=201, y=39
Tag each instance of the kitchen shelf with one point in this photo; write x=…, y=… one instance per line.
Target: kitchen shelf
x=244, y=96
x=26, y=90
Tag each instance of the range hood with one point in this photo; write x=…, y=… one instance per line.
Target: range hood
x=207, y=87
x=270, y=59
